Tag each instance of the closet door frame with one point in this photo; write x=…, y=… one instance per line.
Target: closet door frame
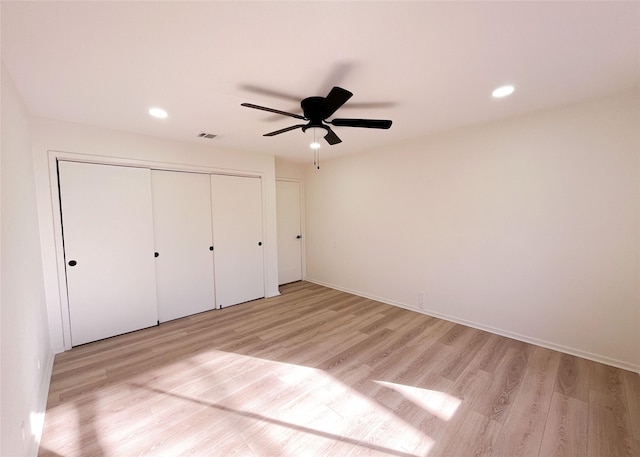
x=60, y=301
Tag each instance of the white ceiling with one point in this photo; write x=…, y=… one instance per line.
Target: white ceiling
x=428, y=66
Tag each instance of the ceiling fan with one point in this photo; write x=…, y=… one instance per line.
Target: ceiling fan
x=317, y=110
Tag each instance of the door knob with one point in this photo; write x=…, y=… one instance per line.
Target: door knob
x=72, y=263
x=156, y=254
x=259, y=243
x=211, y=248
x=298, y=237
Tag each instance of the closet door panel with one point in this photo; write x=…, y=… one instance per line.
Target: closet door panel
x=237, y=235
x=108, y=243
x=182, y=227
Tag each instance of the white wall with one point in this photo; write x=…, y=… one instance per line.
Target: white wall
x=54, y=138
x=527, y=227
x=286, y=169
x=26, y=355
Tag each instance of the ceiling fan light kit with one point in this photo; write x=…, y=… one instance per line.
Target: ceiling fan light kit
x=317, y=110
x=315, y=133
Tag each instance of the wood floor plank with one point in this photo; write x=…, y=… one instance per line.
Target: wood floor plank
x=573, y=377
x=524, y=425
x=609, y=432
x=632, y=389
x=565, y=434
x=469, y=346
x=497, y=400
x=413, y=398
x=492, y=353
x=476, y=437
x=606, y=379
x=455, y=334
x=453, y=406
x=318, y=372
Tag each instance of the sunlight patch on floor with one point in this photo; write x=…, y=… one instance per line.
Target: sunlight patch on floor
x=296, y=408
x=272, y=407
x=36, y=420
x=438, y=403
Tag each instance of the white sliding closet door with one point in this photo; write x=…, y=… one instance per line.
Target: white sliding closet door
x=237, y=237
x=289, y=231
x=108, y=243
x=182, y=227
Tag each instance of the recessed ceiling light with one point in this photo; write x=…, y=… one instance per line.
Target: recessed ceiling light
x=158, y=113
x=503, y=91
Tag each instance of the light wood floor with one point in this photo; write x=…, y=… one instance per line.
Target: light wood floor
x=318, y=372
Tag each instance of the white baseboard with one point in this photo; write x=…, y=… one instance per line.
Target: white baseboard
x=526, y=339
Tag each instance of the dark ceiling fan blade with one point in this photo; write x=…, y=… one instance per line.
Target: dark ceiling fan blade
x=270, y=92
x=336, y=74
x=366, y=123
x=336, y=98
x=369, y=105
x=331, y=137
x=278, y=132
x=271, y=110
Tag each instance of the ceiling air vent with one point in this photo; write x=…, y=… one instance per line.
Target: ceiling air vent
x=206, y=135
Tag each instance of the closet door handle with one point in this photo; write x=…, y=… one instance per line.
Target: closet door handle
x=259, y=243
x=72, y=263
x=298, y=237
x=211, y=248
x=156, y=254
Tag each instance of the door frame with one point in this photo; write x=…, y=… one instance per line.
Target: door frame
x=61, y=301
x=303, y=245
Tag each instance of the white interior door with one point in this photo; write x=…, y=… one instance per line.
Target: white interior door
x=183, y=238
x=108, y=243
x=289, y=231
x=237, y=237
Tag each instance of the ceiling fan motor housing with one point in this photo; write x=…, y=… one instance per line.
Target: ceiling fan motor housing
x=312, y=109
